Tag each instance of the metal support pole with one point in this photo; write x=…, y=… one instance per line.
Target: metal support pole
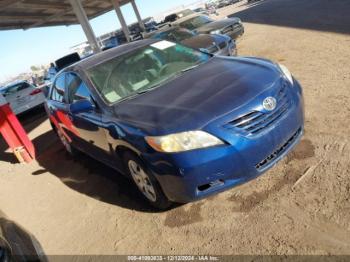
x=138, y=16
x=85, y=24
x=125, y=28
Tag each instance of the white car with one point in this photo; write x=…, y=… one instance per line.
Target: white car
x=22, y=96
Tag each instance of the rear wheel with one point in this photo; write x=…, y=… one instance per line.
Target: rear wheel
x=145, y=182
x=71, y=150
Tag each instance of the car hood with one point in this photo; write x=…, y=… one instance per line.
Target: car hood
x=217, y=25
x=199, y=96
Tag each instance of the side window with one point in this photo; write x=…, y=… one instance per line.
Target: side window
x=58, y=89
x=77, y=89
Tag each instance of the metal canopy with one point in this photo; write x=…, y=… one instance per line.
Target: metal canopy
x=25, y=14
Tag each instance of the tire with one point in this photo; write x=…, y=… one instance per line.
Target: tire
x=145, y=182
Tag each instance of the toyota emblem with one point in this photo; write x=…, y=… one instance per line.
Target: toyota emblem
x=270, y=103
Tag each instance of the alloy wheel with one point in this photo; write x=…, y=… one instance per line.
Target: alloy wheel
x=64, y=141
x=142, y=180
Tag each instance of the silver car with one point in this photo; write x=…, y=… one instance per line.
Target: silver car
x=22, y=96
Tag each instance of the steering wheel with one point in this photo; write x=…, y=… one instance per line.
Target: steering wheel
x=164, y=69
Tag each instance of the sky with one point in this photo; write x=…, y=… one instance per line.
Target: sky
x=20, y=49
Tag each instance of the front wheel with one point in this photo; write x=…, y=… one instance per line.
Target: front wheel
x=145, y=182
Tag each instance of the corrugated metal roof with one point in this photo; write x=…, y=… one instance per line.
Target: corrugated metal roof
x=25, y=14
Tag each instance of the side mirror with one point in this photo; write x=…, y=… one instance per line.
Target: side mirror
x=81, y=106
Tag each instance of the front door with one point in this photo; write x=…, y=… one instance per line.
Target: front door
x=89, y=133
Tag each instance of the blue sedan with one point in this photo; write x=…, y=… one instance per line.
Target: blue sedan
x=181, y=124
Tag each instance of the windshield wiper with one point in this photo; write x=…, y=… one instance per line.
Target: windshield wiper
x=190, y=68
x=147, y=90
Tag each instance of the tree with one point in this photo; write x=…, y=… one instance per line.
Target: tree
x=34, y=68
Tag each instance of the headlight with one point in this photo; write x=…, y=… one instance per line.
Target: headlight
x=216, y=32
x=183, y=141
x=286, y=73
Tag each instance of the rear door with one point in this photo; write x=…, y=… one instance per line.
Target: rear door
x=58, y=107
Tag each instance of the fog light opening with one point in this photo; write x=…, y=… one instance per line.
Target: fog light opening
x=215, y=183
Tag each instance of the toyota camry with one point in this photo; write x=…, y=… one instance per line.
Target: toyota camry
x=180, y=123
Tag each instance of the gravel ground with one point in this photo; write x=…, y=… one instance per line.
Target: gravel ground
x=301, y=206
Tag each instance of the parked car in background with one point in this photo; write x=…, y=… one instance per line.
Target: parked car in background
x=211, y=3
x=150, y=24
x=234, y=1
x=121, y=37
x=201, y=10
x=202, y=24
x=214, y=44
x=23, y=96
x=173, y=17
x=16, y=244
x=181, y=123
x=67, y=60
x=222, y=3
x=109, y=43
x=136, y=32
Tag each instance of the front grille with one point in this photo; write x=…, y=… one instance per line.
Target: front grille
x=231, y=28
x=255, y=121
x=278, y=152
x=227, y=29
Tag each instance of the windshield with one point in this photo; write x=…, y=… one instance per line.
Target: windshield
x=196, y=22
x=14, y=88
x=176, y=35
x=199, y=10
x=141, y=70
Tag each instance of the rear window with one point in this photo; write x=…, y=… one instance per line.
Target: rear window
x=15, y=88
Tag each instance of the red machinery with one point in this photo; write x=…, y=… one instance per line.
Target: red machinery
x=14, y=134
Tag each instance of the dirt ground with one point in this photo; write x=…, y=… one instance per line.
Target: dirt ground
x=301, y=206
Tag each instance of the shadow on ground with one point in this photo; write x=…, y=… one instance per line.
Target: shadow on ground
x=86, y=175
x=321, y=15
x=81, y=173
x=32, y=119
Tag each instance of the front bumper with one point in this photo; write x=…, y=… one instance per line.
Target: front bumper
x=192, y=175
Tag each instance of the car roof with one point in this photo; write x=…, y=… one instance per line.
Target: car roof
x=104, y=56
x=169, y=29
